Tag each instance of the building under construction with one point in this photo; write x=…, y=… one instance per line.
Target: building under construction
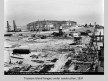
x=58, y=52
x=47, y=25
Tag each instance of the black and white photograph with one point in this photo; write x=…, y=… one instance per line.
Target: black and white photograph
x=53, y=37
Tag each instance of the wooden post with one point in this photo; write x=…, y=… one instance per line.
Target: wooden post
x=100, y=36
x=96, y=41
x=103, y=41
x=9, y=56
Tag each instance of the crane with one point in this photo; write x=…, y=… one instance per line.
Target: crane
x=8, y=27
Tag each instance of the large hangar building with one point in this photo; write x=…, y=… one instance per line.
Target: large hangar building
x=47, y=25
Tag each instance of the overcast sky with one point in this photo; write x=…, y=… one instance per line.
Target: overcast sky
x=81, y=11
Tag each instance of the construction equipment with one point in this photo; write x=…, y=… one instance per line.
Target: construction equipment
x=14, y=25
x=8, y=27
x=15, y=29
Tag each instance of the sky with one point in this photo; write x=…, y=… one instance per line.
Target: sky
x=81, y=11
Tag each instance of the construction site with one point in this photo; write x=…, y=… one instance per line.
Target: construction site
x=54, y=47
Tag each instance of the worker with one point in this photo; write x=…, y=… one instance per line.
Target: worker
x=60, y=31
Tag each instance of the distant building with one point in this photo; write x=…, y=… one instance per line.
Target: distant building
x=47, y=25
